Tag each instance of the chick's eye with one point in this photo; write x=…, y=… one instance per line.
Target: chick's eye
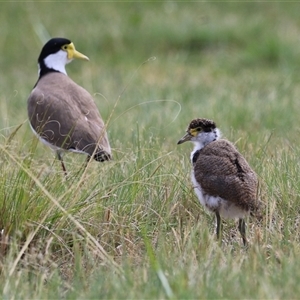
x=198, y=129
x=65, y=47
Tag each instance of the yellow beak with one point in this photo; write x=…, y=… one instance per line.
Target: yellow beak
x=73, y=53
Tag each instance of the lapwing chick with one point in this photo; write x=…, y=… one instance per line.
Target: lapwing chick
x=222, y=179
x=61, y=113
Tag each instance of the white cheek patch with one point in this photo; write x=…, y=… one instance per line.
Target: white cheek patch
x=217, y=133
x=57, y=61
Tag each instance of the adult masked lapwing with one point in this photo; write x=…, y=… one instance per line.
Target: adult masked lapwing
x=222, y=179
x=61, y=113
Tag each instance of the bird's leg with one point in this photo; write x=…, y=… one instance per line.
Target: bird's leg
x=62, y=163
x=242, y=229
x=218, y=225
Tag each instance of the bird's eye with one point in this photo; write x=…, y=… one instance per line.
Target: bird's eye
x=65, y=47
x=195, y=131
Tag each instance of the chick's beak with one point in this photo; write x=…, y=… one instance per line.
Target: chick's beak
x=185, y=138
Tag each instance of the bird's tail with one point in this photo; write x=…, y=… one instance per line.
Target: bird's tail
x=102, y=156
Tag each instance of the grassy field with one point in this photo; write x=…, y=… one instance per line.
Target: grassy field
x=133, y=228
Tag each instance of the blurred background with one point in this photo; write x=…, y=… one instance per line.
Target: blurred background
x=237, y=63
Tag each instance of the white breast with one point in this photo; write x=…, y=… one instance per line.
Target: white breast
x=226, y=209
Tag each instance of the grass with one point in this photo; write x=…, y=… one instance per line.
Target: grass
x=133, y=228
